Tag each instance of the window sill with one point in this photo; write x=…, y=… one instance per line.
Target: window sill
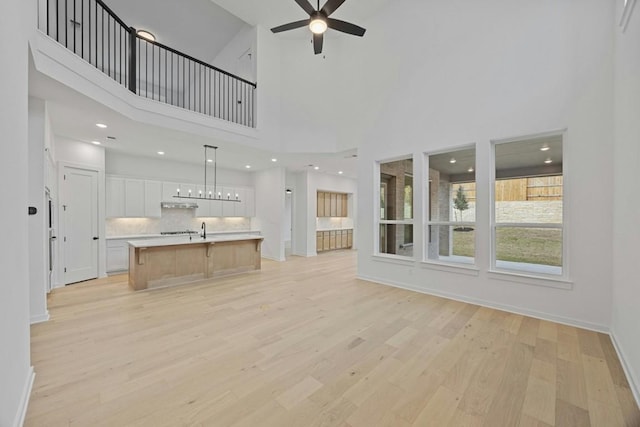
x=393, y=259
x=470, y=270
x=530, y=279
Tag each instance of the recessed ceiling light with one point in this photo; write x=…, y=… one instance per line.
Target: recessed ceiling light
x=545, y=148
x=96, y=142
x=161, y=153
x=316, y=167
x=452, y=160
x=248, y=166
x=147, y=35
x=101, y=125
x=210, y=160
x=548, y=161
x=340, y=172
x=470, y=170
x=274, y=160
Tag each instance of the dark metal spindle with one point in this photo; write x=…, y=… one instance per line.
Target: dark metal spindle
x=66, y=27
x=108, y=45
x=184, y=104
x=73, y=28
x=102, y=38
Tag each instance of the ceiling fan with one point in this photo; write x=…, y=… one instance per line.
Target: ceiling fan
x=319, y=21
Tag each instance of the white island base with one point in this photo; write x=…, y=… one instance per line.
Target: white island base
x=162, y=262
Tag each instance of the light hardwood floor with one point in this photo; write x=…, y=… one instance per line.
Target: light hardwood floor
x=303, y=343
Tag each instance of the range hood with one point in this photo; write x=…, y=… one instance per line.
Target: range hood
x=179, y=205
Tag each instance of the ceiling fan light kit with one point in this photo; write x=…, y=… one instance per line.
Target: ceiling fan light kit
x=319, y=22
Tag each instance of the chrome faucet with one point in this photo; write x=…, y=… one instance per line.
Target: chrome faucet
x=204, y=230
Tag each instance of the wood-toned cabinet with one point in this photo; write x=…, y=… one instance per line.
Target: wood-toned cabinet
x=332, y=204
x=334, y=239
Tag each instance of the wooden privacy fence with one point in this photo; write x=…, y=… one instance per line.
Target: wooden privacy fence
x=520, y=189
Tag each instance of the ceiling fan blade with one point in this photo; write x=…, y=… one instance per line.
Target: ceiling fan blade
x=317, y=43
x=345, y=27
x=290, y=26
x=306, y=6
x=330, y=6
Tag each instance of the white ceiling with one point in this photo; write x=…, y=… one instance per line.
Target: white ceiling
x=200, y=28
x=276, y=12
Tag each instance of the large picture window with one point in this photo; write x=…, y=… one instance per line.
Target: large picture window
x=451, y=210
x=395, y=230
x=528, y=207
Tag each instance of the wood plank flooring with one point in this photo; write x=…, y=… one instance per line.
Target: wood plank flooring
x=304, y=343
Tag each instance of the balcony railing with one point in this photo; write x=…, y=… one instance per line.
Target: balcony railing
x=149, y=69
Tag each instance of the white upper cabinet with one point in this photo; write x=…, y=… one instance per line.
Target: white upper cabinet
x=134, y=198
x=239, y=208
x=249, y=202
x=228, y=208
x=140, y=198
x=115, y=197
x=152, y=199
x=203, y=210
x=169, y=189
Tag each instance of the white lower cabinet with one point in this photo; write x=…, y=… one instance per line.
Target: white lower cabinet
x=117, y=255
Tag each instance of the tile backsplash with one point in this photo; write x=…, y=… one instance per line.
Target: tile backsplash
x=328, y=223
x=173, y=220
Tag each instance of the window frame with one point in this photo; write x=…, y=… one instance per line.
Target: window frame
x=425, y=211
x=530, y=277
x=378, y=221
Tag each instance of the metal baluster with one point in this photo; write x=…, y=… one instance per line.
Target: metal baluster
x=102, y=38
x=82, y=27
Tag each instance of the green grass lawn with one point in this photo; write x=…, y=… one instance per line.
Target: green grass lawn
x=530, y=245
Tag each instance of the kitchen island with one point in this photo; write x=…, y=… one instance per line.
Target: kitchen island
x=162, y=262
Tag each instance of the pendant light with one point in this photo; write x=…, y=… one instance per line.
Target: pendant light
x=216, y=195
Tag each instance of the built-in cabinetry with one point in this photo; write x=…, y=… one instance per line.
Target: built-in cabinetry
x=141, y=198
x=334, y=239
x=117, y=255
x=332, y=204
x=211, y=204
x=133, y=198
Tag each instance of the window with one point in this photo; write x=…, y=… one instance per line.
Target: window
x=396, y=208
x=528, y=206
x=451, y=211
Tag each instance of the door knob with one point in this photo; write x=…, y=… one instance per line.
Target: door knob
x=95, y=238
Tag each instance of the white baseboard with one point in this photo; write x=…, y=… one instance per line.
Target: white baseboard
x=40, y=318
x=634, y=383
x=24, y=399
x=490, y=304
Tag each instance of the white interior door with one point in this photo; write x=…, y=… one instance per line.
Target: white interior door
x=80, y=216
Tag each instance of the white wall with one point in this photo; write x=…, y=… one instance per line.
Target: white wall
x=500, y=69
x=38, y=226
x=270, y=186
x=626, y=212
x=229, y=58
x=16, y=376
x=268, y=96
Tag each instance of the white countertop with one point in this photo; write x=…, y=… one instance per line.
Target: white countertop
x=184, y=240
x=166, y=236
x=334, y=229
